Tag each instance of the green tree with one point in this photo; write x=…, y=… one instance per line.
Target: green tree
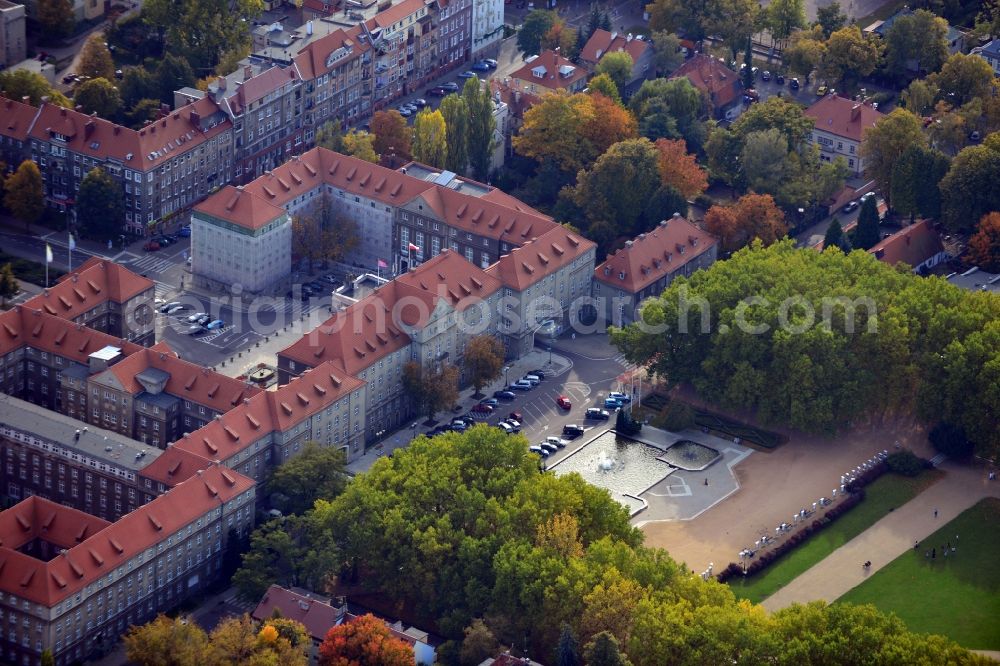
x=137, y=84
x=835, y=236
x=617, y=65
x=620, y=184
x=918, y=98
x=330, y=135
x=95, y=59
x=288, y=551
x=603, y=84
x=830, y=18
x=784, y=17
x=9, y=286
x=100, y=206
x=805, y=52
x=963, y=78
x=604, y=651
x=667, y=49
x=883, y=145
x=968, y=190
x=482, y=360
x=431, y=389
x=430, y=141
x=918, y=42
x=174, y=72
x=478, y=644
x=47, y=659
x=230, y=59
x=482, y=125
x=318, y=472
x=662, y=205
x=56, y=18
x=533, y=28
x=144, y=112
x=867, y=233
x=456, y=123
x=20, y=83
x=671, y=109
x=166, y=642
x=99, y=96
x=916, y=177
x=849, y=55
x=23, y=194
x=747, y=70
x=568, y=649
x=203, y=30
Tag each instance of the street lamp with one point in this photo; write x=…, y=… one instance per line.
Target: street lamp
x=506, y=376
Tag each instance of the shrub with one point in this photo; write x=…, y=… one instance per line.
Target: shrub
x=676, y=416
x=904, y=462
x=951, y=440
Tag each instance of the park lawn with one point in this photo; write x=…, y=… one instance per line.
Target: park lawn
x=957, y=596
x=881, y=496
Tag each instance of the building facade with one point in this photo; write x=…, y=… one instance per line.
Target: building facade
x=840, y=127
x=13, y=45
x=549, y=72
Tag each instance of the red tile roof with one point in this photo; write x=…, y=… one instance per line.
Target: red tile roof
x=552, y=78
x=720, y=84
x=238, y=206
x=516, y=99
x=95, y=282
x=259, y=86
x=315, y=615
x=540, y=257
x=311, y=61
x=843, y=117
x=449, y=275
x=912, y=245
x=174, y=466
x=187, y=381
x=17, y=119
x=396, y=13
x=653, y=255
x=35, y=328
x=99, y=552
x=39, y=518
x=603, y=42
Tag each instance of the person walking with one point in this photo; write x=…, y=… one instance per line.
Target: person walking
x=935, y=512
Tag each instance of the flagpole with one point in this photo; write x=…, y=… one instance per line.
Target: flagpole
x=69, y=252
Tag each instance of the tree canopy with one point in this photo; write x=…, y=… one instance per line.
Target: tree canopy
x=23, y=193
x=392, y=134
x=318, y=472
x=888, y=341
x=203, y=30
x=366, y=640
x=100, y=206
x=19, y=83
x=968, y=190
x=984, y=246
x=430, y=141
x=885, y=143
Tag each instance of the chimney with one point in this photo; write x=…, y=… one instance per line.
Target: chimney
x=222, y=83
x=855, y=112
x=195, y=118
x=117, y=129
x=26, y=100
x=89, y=128
x=247, y=72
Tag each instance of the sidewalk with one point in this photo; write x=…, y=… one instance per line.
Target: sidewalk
x=556, y=367
x=889, y=538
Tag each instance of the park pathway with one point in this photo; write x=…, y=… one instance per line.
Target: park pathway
x=841, y=571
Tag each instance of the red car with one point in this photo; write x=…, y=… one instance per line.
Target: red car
x=151, y=246
x=516, y=416
x=564, y=402
x=483, y=409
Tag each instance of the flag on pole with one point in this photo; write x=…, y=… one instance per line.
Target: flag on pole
x=382, y=264
x=48, y=254
x=414, y=248
x=72, y=243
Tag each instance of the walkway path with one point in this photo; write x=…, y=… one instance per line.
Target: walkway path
x=841, y=571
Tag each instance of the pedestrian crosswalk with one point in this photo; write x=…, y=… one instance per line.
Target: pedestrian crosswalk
x=621, y=360
x=151, y=264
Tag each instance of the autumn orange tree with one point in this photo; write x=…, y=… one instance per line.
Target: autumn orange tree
x=391, y=132
x=679, y=169
x=366, y=640
x=754, y=216
x=984, y=246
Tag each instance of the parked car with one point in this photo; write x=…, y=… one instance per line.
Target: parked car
x=491, y=62
x=765, y=75
x=450, y=86
x=611, y=403
x=793, y=83
x=468, y=74
x=974, y=135
x=780, y=79
x=516, y=416
x=506, y=428
x=437, y=91
x=482, y=408
x=466, y=419
x=195, y=317
x=175, y=309
x=533, y=378
x=504, y=395
x=559, y=442
x=539, y=451
x=850, y=206
x=184, y=232
x=822, y=90
x=419, y=102
x=218, y=323
x=564, y=402
x=597, y=414
x=458, y=426
x=195, y=329
x=492, y=402
x=572, y=431
x=513, y=423
x=521, y=385
x=551, y=448
x=151, y=246
x=481, y=67
x=404, y=111
x=620, y=397
x=537, y=373
x=204, y=319
x=167, y=306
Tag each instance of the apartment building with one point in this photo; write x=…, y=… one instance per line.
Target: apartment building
x=17, y=120
x=103, y=296
x=73, y=583
x=13, y=45
x=840, y=127
x=50, y=455
x=238, y=241
x=455, y=32
x=426, y=315
x=405, y=41
x=163, y=168
x=487, y=27
x=648, y=264
x=602, y=42
x=542, y=279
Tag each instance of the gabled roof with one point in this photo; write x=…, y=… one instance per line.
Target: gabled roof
x=102, y=547
x=175, y=465
x=311, y=61
x=651, y=256
x=238, y=206
x=912, y=245
x=95, y=282
x=540, y=257
x=450, y=276
x=603, y=42
x=396, y=13
x=843, y=117
x=991, y=49
x=720, y=84
x=39, y=518
x=15, y=119
x=556, y=72
x=316, y=615
x=259, y=86
x=486, y=216
x=24, y=326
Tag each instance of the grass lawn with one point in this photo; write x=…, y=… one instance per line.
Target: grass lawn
x=957, y=596
x=884, y=494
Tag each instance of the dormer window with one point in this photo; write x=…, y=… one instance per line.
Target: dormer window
x=621, y=275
